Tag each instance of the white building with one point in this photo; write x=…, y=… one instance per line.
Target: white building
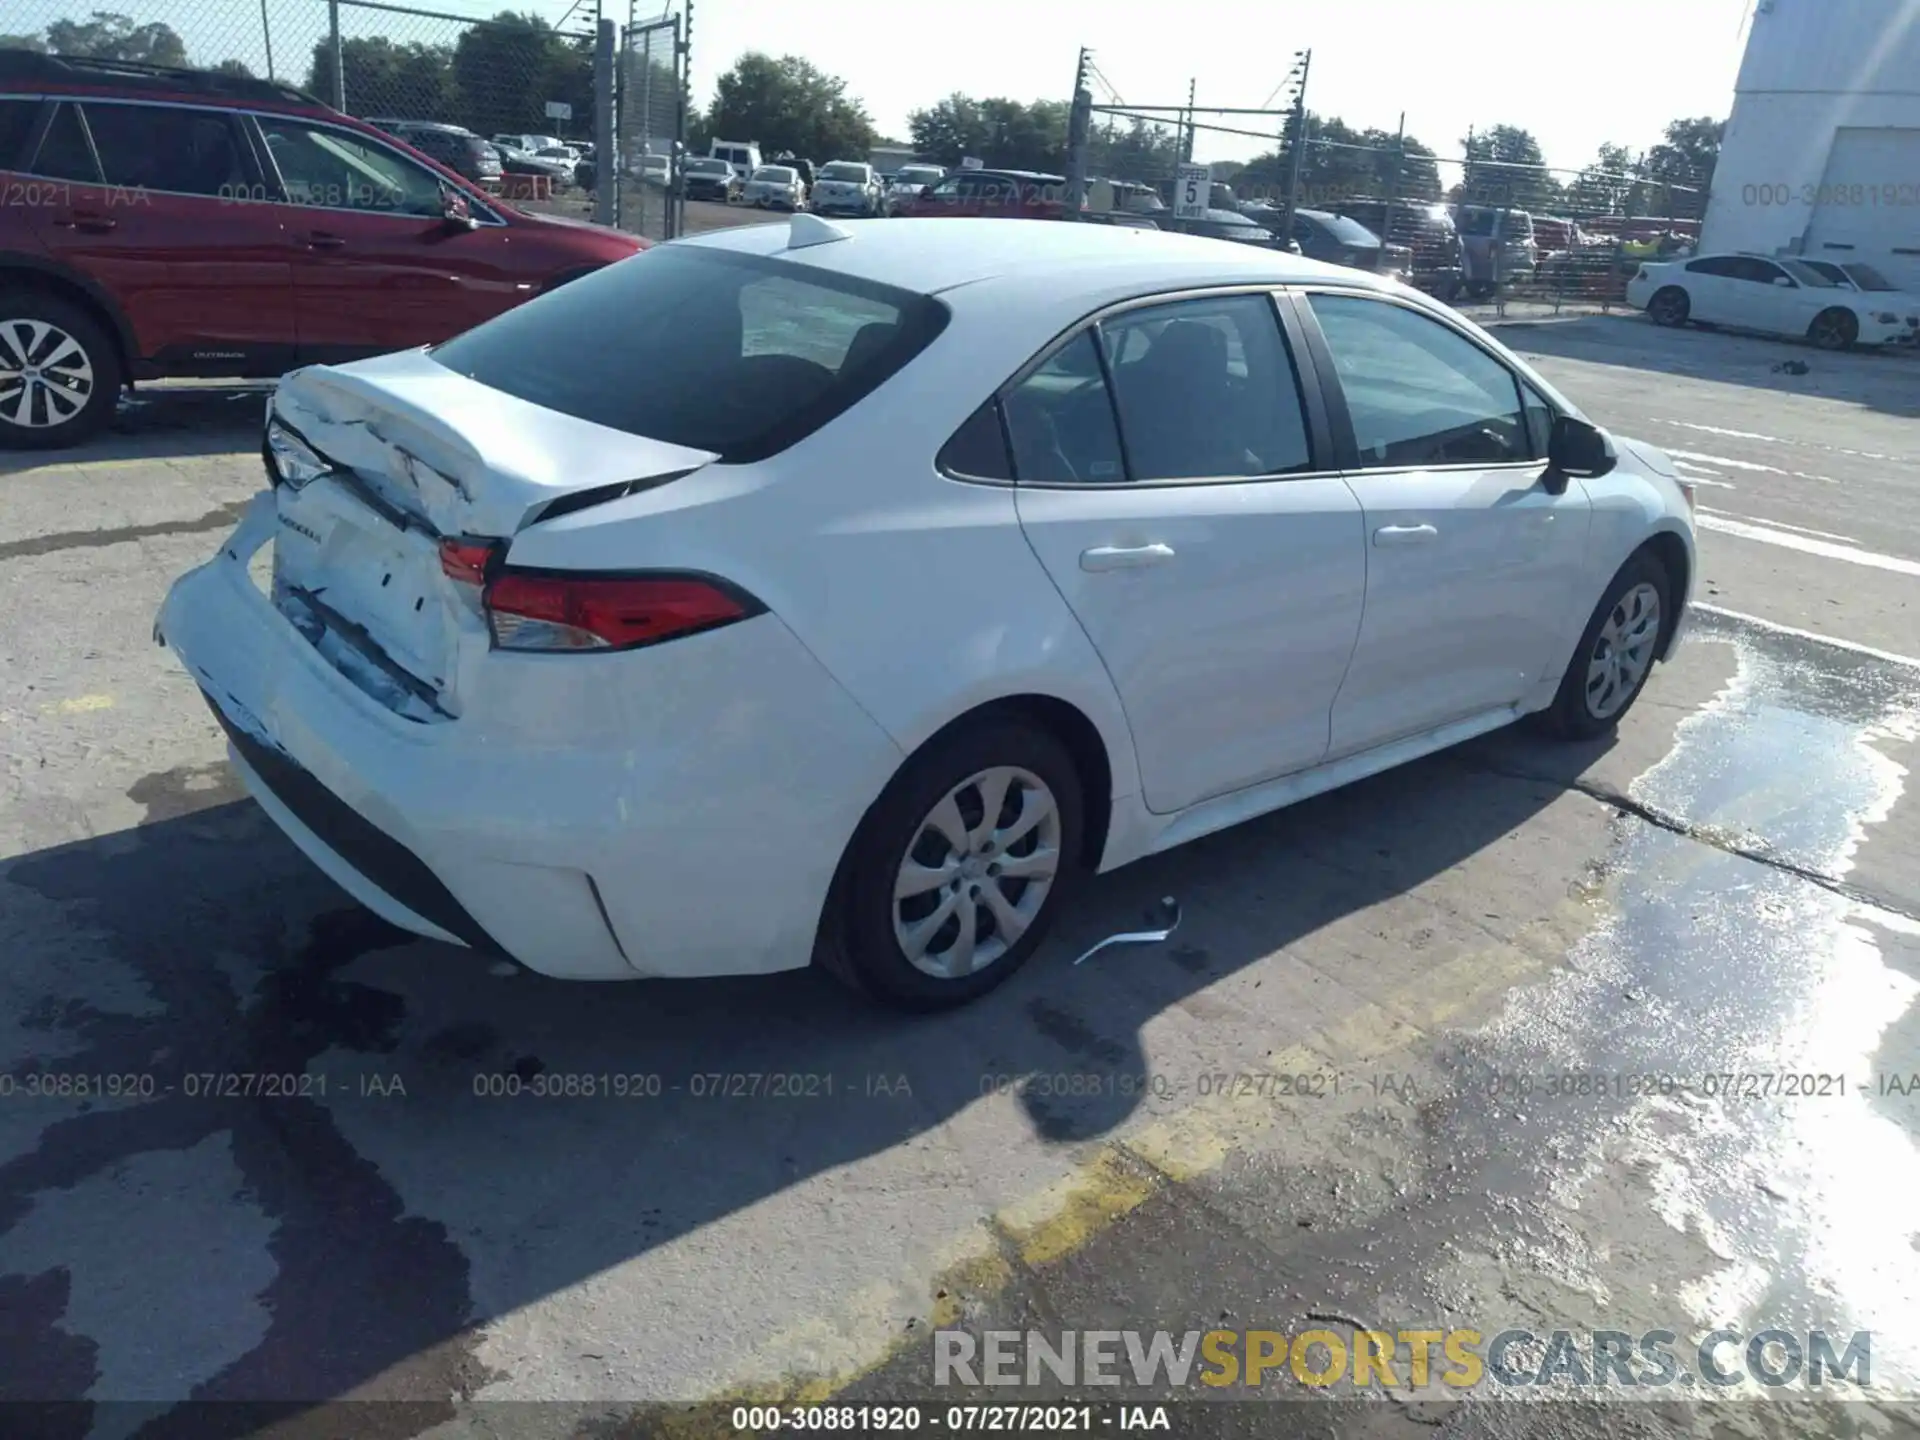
x=1822, y=152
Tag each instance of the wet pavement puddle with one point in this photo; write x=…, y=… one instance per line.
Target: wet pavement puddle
x=1741, y=1026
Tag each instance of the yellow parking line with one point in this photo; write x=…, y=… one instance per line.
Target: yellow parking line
x=1115, y=1180
x=82, y=704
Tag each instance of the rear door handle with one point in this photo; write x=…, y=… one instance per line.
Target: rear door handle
x=1124, y=557
x=91, y=221
x=322, y=240
x=1404, y=534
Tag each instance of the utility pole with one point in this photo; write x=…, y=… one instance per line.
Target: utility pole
x=339, y=65
x=1298, y=126
x=266, y=34
x=683, y=58
x=1186, y=146
x=1079, y=124
x=1393, y=180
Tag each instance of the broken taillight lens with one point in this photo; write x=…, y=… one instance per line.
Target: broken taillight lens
x=557, y=611
x=465, y=560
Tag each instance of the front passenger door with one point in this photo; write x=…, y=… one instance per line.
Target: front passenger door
x=1472, y=565
x=378, y=267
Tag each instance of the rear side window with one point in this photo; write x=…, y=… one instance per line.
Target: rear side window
x=978, y=448
x=65, y=152
x=167, y=149
x=16, y=124
x=1060, y=420
x=738, y=354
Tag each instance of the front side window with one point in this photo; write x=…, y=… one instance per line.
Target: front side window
x=741, y=355
x=1418, y=393
x=337, y=171
x=167, y=148
x=1206, y=388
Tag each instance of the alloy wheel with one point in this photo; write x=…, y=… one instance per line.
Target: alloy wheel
x=1623, y=651
x=46, y=375
x=977, y=872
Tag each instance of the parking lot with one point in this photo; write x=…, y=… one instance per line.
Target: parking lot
x=1729, y=889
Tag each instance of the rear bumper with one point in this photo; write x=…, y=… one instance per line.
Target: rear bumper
x=586, y=816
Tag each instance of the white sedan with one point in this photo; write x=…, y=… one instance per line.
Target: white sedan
x=775, y=187
x=890, y=578
x=1776, y=296
x=847, y=187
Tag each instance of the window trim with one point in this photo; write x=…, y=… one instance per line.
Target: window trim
x=1346, y=443
x=1322, y=456
x=243, y=143
x=47, y=122
x=479, y=209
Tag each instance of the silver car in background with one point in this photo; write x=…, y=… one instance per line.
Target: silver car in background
x=848, y=187
x=775, y=187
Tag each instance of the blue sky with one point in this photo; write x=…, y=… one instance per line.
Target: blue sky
x=1574, y=72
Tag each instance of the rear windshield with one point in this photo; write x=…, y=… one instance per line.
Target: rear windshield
x=777, y=173
x=1348, y=231
x=844, y=172
x=738, y=354
x=911, y=176
x=708, y=167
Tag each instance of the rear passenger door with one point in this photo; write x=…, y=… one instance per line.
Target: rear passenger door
x=1173, y=476
x=1711, y=290
x=159, y=205
x=1472, y=563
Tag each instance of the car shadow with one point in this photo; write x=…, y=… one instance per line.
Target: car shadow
x=251, y=963
x=1884, y=380
x=164, y=421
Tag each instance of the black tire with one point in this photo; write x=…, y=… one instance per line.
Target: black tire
x=1572, y=716
x=1834, y=329
x=858, y=944
x=101, y=359
x=1670, y=306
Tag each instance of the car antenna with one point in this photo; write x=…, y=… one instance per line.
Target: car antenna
x=812, y=230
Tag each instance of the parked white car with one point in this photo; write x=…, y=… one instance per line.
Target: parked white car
x=1773, y=295
x=909, y=181
x=884, y=584
x=847, y=187
x=1858, y=275
x=652, y=169
x=775, y=187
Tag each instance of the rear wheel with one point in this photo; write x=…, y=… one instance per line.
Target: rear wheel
x=1616, y=652
x=59, y=372
x=1834, y=329
x=1670, y=306
x=958, y=870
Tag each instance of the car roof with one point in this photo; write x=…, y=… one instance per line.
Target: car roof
x=932, y=255
x=88, y=74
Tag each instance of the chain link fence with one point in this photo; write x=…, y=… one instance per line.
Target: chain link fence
x=514, y=79
x=1475, y=227
x=651, y=112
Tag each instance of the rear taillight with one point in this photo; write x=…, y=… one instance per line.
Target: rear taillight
x=467, y=560
x=556, y=611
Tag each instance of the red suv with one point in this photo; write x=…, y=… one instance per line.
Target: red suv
x=158, y=222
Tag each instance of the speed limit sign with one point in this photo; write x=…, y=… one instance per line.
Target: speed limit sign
x=1192, y=188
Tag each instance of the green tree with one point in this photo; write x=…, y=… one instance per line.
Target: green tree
x=948, y=131
x=23, y=42
x=411, y=81
x=506, y=69
x=108, y=35
x=234, y=67
x=1602, y=188
x=1142, y=151
x=1504, y=166
x=1341, y=163
x=1682, y=165
x=789, y=105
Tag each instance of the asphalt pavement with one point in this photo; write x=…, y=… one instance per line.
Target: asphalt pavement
x=1347, y=1092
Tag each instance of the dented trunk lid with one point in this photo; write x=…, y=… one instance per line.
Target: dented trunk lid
x=421, y=455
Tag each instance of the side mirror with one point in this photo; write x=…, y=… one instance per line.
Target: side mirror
x=1577, y=449
x=455, y=210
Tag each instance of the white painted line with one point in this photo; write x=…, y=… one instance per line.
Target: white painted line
x=1782, y=525
x=1773, y=440
x=1853, y=646
x=1730, y=464
x=1695, y=475
x=1824, y=548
